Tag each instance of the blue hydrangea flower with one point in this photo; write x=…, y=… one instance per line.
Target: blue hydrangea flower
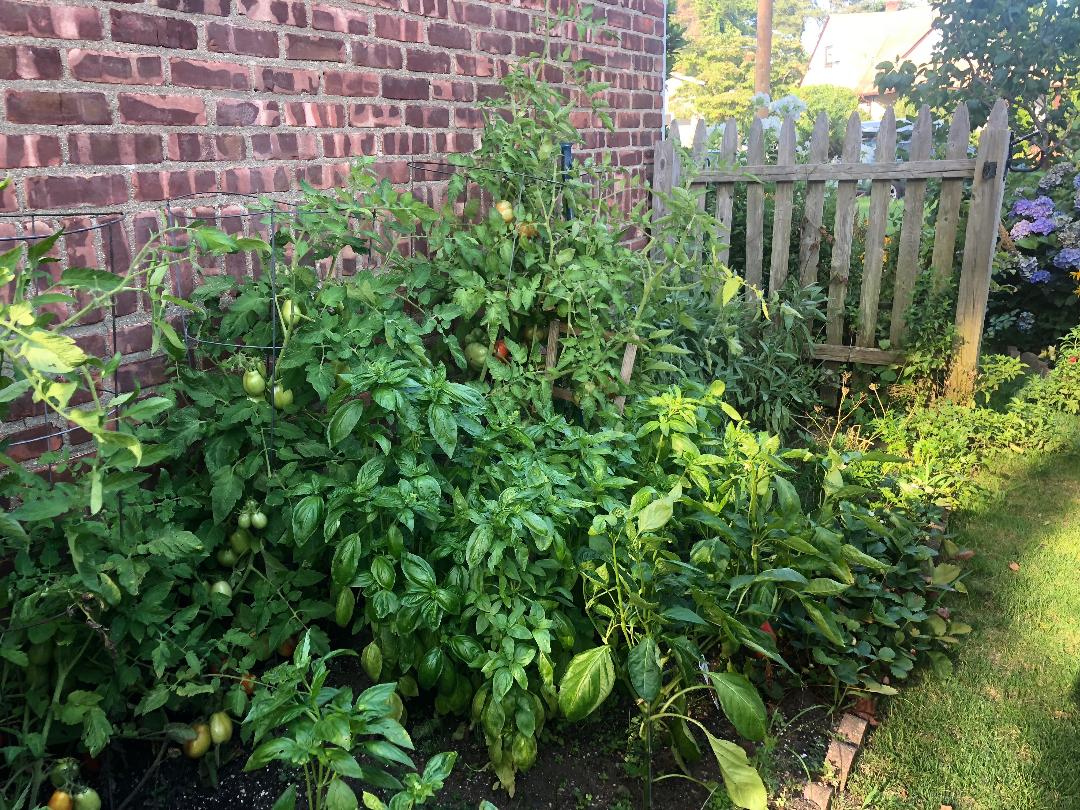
x=1040, y=277
x=1042, y=226
x=1038, y=208
x=1068, y=258
x=1025, y=320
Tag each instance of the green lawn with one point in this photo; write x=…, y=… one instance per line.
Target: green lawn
x=1004, y=731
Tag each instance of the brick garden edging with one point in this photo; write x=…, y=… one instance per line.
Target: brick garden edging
x=848, y=737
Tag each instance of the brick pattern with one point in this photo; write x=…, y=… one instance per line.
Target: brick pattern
x=118, y=105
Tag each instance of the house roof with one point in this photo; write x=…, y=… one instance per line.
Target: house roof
x=859, y=42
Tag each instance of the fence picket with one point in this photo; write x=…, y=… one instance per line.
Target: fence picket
x=725, y=192
x=980, y=244
x=755, y=211
x=782, y=209
x=842, y=233
x=952, y=191
x=698, y=144
x=907, y=261
x=810, y=237
x=877, y=221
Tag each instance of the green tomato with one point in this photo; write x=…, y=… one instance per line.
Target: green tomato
x=222, y=587
x=563, y=309
x=258, y=520
x=254, y=383
x=476, y=354
x=87, y=799
x=244, y=521
x=221, y=728
x=64, y=772
x=290, y=313
x=240, y=542
x=283, y=397
x=227, y=557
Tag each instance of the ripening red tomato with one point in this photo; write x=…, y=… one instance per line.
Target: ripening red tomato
x=501, y=351
x=247, y=683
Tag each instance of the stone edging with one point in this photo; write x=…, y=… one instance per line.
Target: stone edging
x=848, y=739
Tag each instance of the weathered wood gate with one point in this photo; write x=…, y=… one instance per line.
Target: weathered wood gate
x=980, y=178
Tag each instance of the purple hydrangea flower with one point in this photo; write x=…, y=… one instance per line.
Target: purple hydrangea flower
x=1068, y=258
x=1040, y=277
x=1043, y=226
x=1025, y=320
x=1035, y=209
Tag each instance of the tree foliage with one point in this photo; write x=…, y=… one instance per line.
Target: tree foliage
x=1025, y=52
x=720, y=51
x=838, y=103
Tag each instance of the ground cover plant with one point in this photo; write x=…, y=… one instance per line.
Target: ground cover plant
x=392, y=466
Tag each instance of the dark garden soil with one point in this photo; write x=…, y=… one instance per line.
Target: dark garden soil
x=583, y=765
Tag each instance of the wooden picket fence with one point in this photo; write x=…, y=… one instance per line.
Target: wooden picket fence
x=981, y=179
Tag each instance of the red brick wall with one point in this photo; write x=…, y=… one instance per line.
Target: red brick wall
x=117, y=106
x=120, y=104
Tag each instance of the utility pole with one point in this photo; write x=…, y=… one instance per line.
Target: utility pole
x=763, y=58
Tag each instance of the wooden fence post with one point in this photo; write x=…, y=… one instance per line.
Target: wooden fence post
x=980, y=244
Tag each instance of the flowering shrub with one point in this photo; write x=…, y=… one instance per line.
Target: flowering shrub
x=1036, y=298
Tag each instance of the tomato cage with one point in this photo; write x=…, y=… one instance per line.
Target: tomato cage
x=45, y=251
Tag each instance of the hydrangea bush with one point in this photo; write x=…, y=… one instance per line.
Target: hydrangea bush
x=1036, y=296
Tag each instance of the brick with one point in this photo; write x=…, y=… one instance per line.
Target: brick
x=284, y=146
x=493, y=42
x=468, y=118
x=255, y=181
x=144, y=373
x=852, y=729
x=344, y=21
x=198, y=146
x=114, y=149
x=819, y=794
x=645, y=25
x=449, y=36
x=400, y=87
x=405, y=143
x=446, y=90
x=76, y=191
x=162, y=110
x=278, y=12
x=528, y=46
x=28, y=444
x=248, y=113
x=350, y=83
x=348, y=144
x=470, y=13
x=316, y=49
x=427, y=117
x=378, y=55
x=396, y=171
x=616, y=18
x=29, y=151
x=49, y=22
x=165, y=185
x=115, y=68
x=8, y=200
x=277, y=80
x=398, y=28
x=134, y=338
x=490, y=91
x=47, y=107
x=314, y=114
x=473, y=65
x=146, y=29
x=220, y=8
x=510, y=20
x=236, y=39
x=841, y=756
x=428, y=61
x=209, y=75
x=375, y=115
x=425, y=8
x=454, y=142
x=29, y=62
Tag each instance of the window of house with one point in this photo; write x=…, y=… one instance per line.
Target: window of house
x=829, y=62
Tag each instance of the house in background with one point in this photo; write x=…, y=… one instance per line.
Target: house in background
x=849, y=48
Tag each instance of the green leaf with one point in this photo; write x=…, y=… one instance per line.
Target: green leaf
x=945, y=573
x=49, y=352
x=345, y=561
x=856, y=557
x=443, y=428
x=655, y=515
x=587, y=682
x=744, y=785
x=287, y=800
x=824, y=587
x=417, y=571
x=476, y=549
x=225, y=491
x=339, y=796
x=305, y=517
x=343, y=421
x=741, y=703
x=643, y=666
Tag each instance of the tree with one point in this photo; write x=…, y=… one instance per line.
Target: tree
x=720, y=48
x=1025, y=51
x=838, y=103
